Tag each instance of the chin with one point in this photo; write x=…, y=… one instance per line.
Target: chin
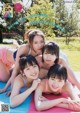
x=55, y=90
x=36, y=77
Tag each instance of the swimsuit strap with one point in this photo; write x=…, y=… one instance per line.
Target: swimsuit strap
x=46, y=87
x=24, y=80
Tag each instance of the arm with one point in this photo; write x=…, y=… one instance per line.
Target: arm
x=23, y=50
x=73, y=104
x=16, y=98
x=44, y=105
x=71, y=76
x=71, y=91
x=6, y=86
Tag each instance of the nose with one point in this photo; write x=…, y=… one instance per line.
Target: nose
x=55, y=84
x=48, y=56
x=39, y=45
x=32, y=70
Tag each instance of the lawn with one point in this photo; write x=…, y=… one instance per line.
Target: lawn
x=74, y=58
x=72, y=51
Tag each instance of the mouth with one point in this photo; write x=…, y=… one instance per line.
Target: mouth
x=47, y=60
x=39, y=49
x=54, y=87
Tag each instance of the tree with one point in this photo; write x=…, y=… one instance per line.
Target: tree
x=71, y=27
x=41, y=15
x=61, y=17
x=77, y=2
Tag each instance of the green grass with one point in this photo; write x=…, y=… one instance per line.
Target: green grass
x=74, y=58
x=72, y=51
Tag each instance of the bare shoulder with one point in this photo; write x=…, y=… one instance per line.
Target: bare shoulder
x=23, y=49
x=19, y=81
x=42, y=84
x=61, y=60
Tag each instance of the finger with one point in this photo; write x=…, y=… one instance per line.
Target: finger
x=8, y=93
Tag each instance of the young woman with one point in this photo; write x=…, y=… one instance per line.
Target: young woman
x=56, y=83
x=50, y=56
x=34, y=47
x=28, y=78
x=36, y=43
x=7, y=60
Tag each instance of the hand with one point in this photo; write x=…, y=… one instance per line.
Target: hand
x=8, y=93
x=3, y=90
x=35, y=83
x=42, y=98
x=72, y=104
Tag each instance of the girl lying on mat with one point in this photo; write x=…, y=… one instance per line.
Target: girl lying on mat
x=7, y=61
x=56, y=83
x=34, y=47
x=36, y=43
x=28, y=77
x=50, y=56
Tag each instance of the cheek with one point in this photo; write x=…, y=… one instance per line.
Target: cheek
x=61, y=84
x=34, y=46
x=27, y=73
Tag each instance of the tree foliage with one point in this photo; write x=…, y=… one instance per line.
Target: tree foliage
x=41, y=15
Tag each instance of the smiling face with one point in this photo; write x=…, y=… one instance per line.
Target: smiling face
x=49, y=58
x=57, y=76
x=56, y=84
x=29, y=67
x=38, y=43
x=31, y=71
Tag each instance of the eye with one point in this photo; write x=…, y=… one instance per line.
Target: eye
x=53, y=78
x=42, y=41
x=35, y=42
x=27, y=68
x=34, y=66
x=45, y=53
x=60, y=80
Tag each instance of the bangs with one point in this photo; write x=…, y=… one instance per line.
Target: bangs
x=60, y=77
x=30, y=63
x=26, y=61
x=49, y=50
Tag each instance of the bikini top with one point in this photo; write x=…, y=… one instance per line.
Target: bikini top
x=15, y=53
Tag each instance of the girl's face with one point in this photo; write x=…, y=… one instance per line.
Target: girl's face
x=49, y=58
x=38, y=44
x=32, y=71
x=56, y=84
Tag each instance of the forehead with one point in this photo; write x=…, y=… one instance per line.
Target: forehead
x=38, y=38
x=57, y=77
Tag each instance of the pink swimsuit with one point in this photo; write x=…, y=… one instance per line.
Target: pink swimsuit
x=73, y=106
x=46, y=88
x=3, y=59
